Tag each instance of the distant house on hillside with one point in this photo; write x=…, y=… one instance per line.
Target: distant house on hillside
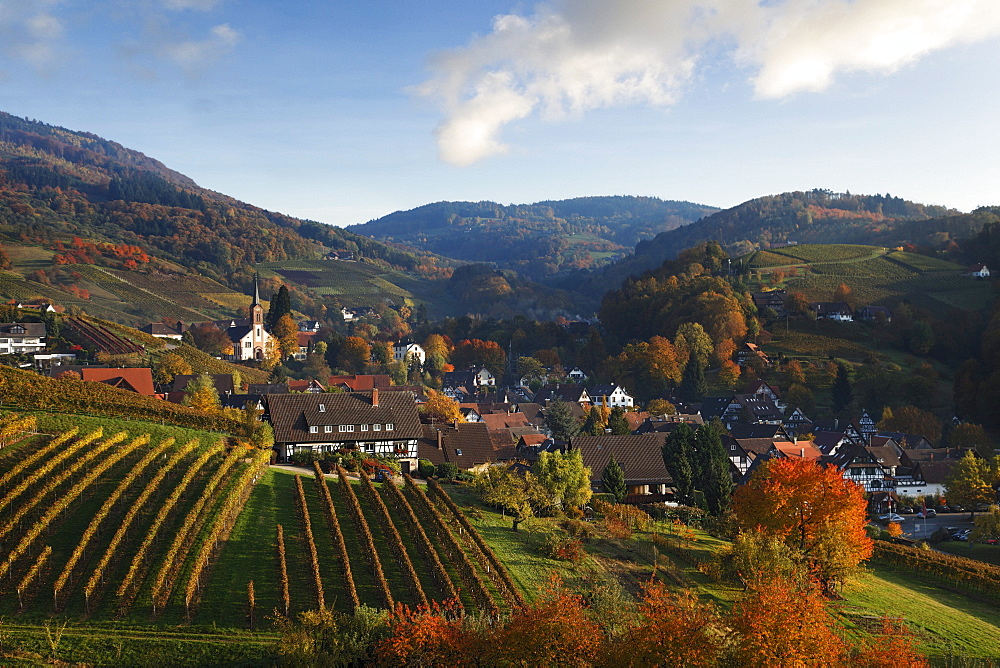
x=751, y=351
x=874, y=313
x=977, y=270
x=404, y=351
x=838, y=311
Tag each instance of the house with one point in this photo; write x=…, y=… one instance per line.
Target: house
x=347, y=314
x=860, y=465
x=977, y=270
x=772, y=299
x=343, y=256
x=796, y=422
x=908, y=441
x=405, y=351
x=467, y=446
x=576, y=375
x=162, y=330
x=751, y=352
x=470, y=412
x=640, y=457
x=248, y=335
x=305, y=341
x=574, y=394
x=770, y=392
x=837, y=311
x=138, y=380
x=311, y=386
x=738, y=455
x=612, y=396
x=874, y=314
x=309, y=326
x=19, y=338
x=470, y=378
x=383, y=423
x=46, y=361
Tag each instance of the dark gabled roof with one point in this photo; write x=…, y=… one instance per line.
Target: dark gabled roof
x=291, y=415
x=848, y=455
x=910, y=457
x=223, y=382
x=772, y=431
x=713, y=407
x=237, y=333
x=826, y=441
x=936, y=472
x=32, y=329
x=757, y=446
x=569, y=392
x=908, y=441
x=135, y=380
x=824, y=308
x=240, y=400
x=886, y=455
x=603, y=390
x=466, y=444
x=640, y=456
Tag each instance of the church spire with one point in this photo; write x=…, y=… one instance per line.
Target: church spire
x=256, y=290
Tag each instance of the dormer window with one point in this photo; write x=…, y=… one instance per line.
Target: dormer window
x=388, y=426
x=327, y=429
x=364, y=427
x=17, y=329
x=346, y=427
x=376, y=427
x=314, y=430
x=322, y=408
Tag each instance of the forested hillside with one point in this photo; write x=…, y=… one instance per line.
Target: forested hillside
x=817, y=216
x=56, y=184
x=537, y=240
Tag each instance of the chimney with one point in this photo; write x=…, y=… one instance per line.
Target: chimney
x=374, y=396
x=440, y=439
x=802, y=453
x=455, y=425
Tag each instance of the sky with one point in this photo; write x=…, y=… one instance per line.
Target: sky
x=342, y=112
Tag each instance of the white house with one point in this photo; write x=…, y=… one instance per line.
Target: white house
x=404, y=351
x=978, y=270
x=612, y=396
x=21, y=337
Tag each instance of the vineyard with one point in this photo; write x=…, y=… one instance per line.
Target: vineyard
x=356, y=283
x=141, y=303
x=104, y=526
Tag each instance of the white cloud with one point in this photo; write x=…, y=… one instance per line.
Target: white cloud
x=193, y=55
x=577, y=55
x=202, y=5
x=30, y=32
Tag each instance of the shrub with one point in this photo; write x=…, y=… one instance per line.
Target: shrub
x=425, y=469
x=447, y=471
x=577, y=529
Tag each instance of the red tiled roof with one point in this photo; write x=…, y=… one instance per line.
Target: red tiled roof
x=136, y=380
x=801, y=449
x=361, y=383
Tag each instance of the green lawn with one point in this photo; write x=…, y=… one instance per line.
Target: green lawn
x=988, y=553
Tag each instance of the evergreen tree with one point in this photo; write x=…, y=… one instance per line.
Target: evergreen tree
x=714, y=477
x=841, y=391
x=613, y=480
x=693, y=387
x=281, y=304
x=617, y=422
x=560, y=421
x=677, y=453
x=593, y=425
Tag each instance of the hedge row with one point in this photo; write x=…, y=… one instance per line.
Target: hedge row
x=402, y=506
x=368, y=541
x=471, y=577
x=338, y=536
x=976, y=577
x=286, y=599
x=395, y=540
x=499, y=573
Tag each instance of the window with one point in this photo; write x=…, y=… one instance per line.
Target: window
x=247, y=344
x=388, y=426
x=327, y=429
x=458, y=451
x=364, y=427
x=346, y=427
x=322, y=408
x=376, y=427
x=313, y=430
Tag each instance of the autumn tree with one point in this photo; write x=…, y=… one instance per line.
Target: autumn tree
x=530, y=369
x=441, y=408
x=517, y=493
x=208, y=338
x=202, y=394
x=729, y=373
x=692, y=341
x=987, y=526
x=661, y=407
x=287, y=333
x=381, y=352
x=814, y=510
x=613, y=480
x=970, y=436
x=169, y=366
x=785, y=623
x=843, y=294
x=970, y=482
x=476, y=352
x=796, y=374
x=353, y=355
x=672, y=629
x=564, y=477
x=912, y=420
x=596, y=421
x=754, y=559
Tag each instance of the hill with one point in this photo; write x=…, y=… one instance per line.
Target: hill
x=817, y=216
x=537, y=240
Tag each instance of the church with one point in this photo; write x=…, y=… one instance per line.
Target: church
x=248, y=335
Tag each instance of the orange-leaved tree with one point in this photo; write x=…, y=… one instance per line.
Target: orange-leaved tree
x=814, y=510
x=673, y=629
x=426, y=637
x=785, y=624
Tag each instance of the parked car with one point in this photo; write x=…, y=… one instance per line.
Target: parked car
x=906, y=510
x=930, y=512
x=891, y=517
x=957, y=509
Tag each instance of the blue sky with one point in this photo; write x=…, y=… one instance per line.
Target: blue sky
x=342, y=112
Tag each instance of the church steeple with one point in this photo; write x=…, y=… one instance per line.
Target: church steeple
x=256, y=308
x=256, y=290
